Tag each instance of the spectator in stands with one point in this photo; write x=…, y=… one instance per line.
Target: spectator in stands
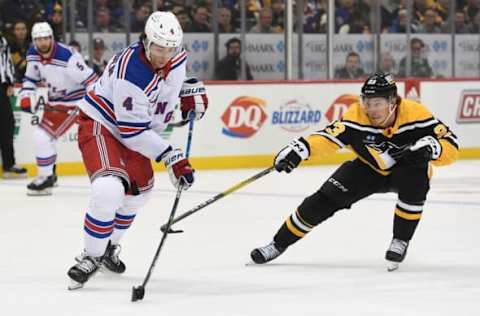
x=430, y=23
x=14, y=10
x=356, y=24
x=140, y=17
x=98, y=61
x=183, y=19
x=278, y=14
x=399, y=25
x=387, y=63
x=102, y=20
x=352, y=69
x=225, y=24
x=251, y=18
x=471, y=9
x=19, y=44
x=342, y=12
x=264, y=24
x=76, y=46
x=475, y=24
x=460, y=24
x=199, y=23
x=56, y=22
x=230, y=67
x=419, y=63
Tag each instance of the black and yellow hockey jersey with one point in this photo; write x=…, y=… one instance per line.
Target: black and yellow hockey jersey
x=371, y=144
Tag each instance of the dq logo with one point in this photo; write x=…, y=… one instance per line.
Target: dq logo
x=244, y=117
x=340, y=106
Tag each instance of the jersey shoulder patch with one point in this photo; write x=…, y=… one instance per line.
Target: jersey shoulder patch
x=62, y=52
x=133, y=69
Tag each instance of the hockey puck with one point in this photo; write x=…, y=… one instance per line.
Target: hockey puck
x=138, y=292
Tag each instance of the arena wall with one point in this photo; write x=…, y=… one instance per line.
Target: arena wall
x=248, y=122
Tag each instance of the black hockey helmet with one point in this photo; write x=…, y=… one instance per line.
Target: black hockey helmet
x=379, y=85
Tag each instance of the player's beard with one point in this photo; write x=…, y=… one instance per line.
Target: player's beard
x=45, y=51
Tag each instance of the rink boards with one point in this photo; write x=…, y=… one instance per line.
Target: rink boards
x=247, y=123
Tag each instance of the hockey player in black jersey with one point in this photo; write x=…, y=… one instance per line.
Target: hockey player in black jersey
x=395, y=140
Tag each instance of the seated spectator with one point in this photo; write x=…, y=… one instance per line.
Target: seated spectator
x=14, y=10
x=140, y=17
x=98, y=61
x=471, y=9
x=19, y=43
x=419, y=63
x=430, y=23
x=56, y=22
x=352, y=69
x=278, y=14
x=225, y=20
x=251, y=18
x=460, y=23
x=475, y=24
x=183, y=19
x=76, y=46
x=102, y=20
x=356, y=24
x=399, y=25
x=387, y=63
x=230, y=67
x=264, y=24
x=199, y=23
x=342, y=12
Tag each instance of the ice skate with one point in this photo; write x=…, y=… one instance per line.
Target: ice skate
x=396, y=253
x=111, y=261
x=42, y=185
x=81, y=272
x=267, y=253
x=15, y=172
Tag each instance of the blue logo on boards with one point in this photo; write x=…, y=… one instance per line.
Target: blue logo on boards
x=295, y=116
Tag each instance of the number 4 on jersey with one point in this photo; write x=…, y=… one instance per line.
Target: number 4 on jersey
x=127, y=104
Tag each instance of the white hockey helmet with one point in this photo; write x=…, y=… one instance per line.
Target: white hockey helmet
x=41, y=29
x=163, y=29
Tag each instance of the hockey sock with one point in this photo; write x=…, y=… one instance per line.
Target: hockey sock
x=407, y=216
x=45, y=152
x=292, y=230
x=126, y=214
x=313, y=210
x=122, y=223
x=106, y=197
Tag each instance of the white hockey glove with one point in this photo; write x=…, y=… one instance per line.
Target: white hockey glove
x=193, y=99
x=423, y=150
x=179, y=168
x=290, y=157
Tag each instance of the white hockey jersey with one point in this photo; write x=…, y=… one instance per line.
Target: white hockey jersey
x=64, y=73
x=134, y=102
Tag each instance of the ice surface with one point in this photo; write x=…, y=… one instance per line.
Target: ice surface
x=338, y=269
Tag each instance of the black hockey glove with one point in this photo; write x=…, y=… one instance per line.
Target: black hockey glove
x=423, y=150
x=290, y=157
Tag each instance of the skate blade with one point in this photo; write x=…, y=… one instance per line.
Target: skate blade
x=392, y=266
x=39, y=193
x=74, y=285
x=13, y=176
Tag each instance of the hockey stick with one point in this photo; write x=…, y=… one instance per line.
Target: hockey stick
x=179, y=124
x=167, y=227
x=138, y=292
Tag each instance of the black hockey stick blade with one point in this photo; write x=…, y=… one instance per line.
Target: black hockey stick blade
x=138, y=292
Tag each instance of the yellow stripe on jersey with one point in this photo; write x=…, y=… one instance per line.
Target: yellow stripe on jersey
x=293, y=229
x=408, y=216
x=321, y=146
x=449, y=154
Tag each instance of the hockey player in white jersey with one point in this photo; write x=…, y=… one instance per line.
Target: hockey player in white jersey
x=120, y=122
x=66, y=75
